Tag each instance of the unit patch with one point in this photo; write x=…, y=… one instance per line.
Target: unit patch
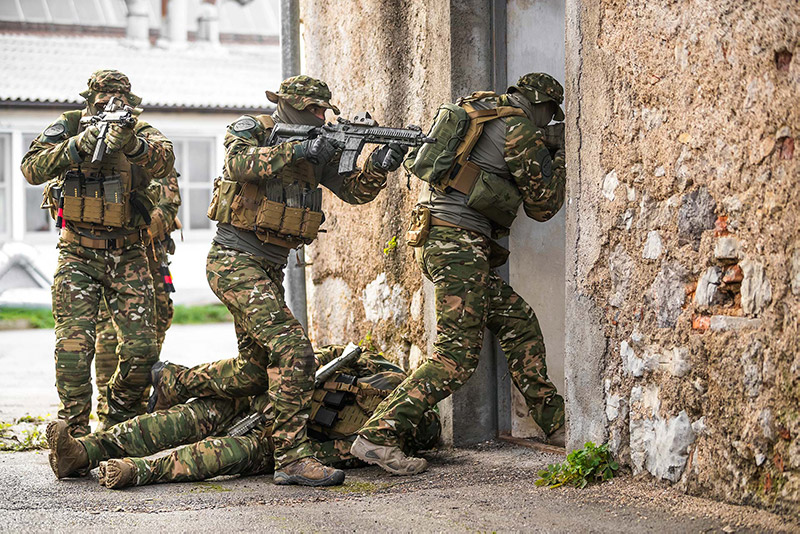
x=244, y=124
x=55, y=130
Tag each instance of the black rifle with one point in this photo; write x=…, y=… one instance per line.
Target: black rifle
x=111, y=114
x=350, y=136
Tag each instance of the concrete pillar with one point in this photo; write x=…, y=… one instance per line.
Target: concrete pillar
x=137, y=27
x=174, y=27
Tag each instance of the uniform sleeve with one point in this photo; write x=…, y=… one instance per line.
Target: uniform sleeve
x=539, y=178
x=155, y=154
x=164, y=213
x=359, y=187
x=51, y=153
x=246, y=161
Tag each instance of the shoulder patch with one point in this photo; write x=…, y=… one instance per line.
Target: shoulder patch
x=244, y=124
x=55, y=130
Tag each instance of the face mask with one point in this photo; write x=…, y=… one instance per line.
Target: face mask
x=287, y=113
x=543, y=114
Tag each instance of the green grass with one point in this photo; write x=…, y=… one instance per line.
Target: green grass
x=43, y=318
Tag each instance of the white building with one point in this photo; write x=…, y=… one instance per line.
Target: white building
x=197, y=69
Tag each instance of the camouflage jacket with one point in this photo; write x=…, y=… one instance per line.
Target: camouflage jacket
x=248, y=159
x=538, y=171
x=50, y=155
x=164, y=213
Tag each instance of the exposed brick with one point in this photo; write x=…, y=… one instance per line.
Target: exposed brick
x=787, y=148
x=701, y=322
x=733, y=275
x=721, y=226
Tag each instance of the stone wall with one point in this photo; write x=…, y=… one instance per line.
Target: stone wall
x=393, y=59
x=683, y=242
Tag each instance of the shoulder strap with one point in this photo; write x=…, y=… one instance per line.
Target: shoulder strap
x=477, y=118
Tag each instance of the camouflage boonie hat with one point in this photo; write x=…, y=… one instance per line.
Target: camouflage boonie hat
x=303, y=91
x=105, y=82
x=539, y=87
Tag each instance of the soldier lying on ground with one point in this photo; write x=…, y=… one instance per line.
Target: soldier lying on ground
x=504, y=157
x=339, y=407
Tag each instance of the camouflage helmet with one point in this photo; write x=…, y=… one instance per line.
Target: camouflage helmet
x=109, y=82
x=303, y=91
x=539, y=87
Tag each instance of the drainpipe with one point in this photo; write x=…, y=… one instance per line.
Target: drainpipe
x=290, y=66
x=174, y=28
x=137, y=27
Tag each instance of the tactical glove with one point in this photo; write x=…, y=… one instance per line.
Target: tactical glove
x=86, y=141
x=121, y=138
x=389, y=157
x=317, y=151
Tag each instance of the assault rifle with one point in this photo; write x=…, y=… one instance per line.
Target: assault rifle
x=113, y=113
x=351, y=136
x=350, y=353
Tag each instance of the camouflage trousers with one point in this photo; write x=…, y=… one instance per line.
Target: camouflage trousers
x=83, y=278
x=105, y=357
x=469, y=296
x=274, y=352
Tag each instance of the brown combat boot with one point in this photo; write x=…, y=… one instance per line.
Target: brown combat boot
x=388, y=458
x=308, y=471
x=117, y=474
x=67, y=456
x=559, y=437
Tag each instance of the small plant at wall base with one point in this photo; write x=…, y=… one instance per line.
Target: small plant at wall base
x=390, y=245
x=582, y=466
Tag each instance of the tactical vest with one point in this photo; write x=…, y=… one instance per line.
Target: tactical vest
x=110, y=197
x=340, y=407
x=283, y=210
x=445, y=163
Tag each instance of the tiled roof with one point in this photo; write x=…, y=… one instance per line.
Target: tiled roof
x=54, y=69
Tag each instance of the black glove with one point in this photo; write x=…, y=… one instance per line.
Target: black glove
x=389, y=157
x=318, y=151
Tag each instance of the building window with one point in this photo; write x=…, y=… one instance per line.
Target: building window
x=36, y=219
x=5, y=185
x=195, y=162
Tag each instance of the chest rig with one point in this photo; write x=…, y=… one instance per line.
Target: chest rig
x=285, y=209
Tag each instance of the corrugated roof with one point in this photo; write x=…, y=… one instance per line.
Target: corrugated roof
x=54, y=69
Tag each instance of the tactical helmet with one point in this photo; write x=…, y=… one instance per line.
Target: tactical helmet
x=302, y=91
x=108, y=82
x=539, y=87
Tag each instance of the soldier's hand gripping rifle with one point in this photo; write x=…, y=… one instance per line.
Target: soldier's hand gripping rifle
x=351, y=136
x=350, y=353
x=113, y=113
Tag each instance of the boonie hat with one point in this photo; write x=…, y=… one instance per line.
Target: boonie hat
x=302, y=91
x=539, y=87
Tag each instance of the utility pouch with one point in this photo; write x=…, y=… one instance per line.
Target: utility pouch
x=211, y=213
x=93, y=201
x=312, y=220
x=433, y=161
x=495, y=198
x=270, y=214
x=225, y=194
x=419, y=227
x=244, y=207
x=292, y=221
x=113, y=202
x=73, y=196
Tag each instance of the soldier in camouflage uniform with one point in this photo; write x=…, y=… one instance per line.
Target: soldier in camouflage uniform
x=201, y=427
x=264, y=204
x=458, y=258
x=164, y=220
x=102, y=246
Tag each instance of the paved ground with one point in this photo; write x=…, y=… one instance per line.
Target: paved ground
x=486, y=488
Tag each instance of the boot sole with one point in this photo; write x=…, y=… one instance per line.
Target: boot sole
x=285, y=480
x=356, y=450
x=55, y=437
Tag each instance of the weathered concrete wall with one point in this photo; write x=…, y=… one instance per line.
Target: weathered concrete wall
x=683, y=241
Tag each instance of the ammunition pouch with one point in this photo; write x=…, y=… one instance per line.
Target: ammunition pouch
x=341, y=406
x=419, y=227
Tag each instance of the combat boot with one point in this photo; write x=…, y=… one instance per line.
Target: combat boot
x=158, y=399
x=67, y=456
x=117, y=474
x=308, y=471
x=388, y=458
x=559, y=437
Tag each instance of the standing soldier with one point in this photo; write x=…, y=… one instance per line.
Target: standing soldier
x=102, y=208
x=268, y=202
x=492, y=153
x=164, y=221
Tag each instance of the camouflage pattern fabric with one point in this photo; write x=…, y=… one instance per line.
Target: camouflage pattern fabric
x=104, y=82
x=82, y=278
x=539, y=87
x=200, y=425
x=469, y=297
x=302, y=91
x=163, y=223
